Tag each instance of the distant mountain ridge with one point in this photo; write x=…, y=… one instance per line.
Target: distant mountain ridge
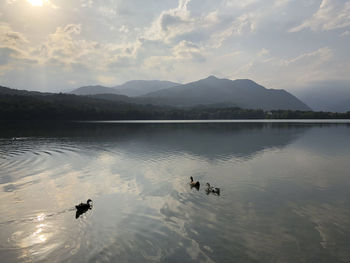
x=243, y=93
x=135, y=88
x=32, y=105
x=131, y=88
x=211, y=91
x=93, y=90
x=9, y=91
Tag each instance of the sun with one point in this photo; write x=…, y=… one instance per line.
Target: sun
x=36, y=2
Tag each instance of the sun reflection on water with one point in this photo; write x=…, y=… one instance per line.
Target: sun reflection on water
x=40, y=217
x=39, y=235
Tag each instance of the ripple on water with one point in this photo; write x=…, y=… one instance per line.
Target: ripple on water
x=35, y=156
x=145, y=210
x=45, y=235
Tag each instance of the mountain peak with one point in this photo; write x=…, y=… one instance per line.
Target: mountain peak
x=212, y=77
x=243, y=93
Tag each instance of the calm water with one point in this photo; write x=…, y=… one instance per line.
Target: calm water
x=284, y=192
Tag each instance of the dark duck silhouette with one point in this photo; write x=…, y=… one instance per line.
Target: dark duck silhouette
x=194, y=184
x=83, y=208
x=211, y=189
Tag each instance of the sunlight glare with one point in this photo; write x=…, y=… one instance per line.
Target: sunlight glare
x=36, y=2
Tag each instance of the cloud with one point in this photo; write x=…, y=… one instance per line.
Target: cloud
x=71, y=29
x=108, y=11
x=275, y=72
x=13, y=50
x=279, y=3
x=105, y=41
x=330, y=15
x=345, y=33
x=8, y=37
x=66, y=47
x=245, y=23
x=237, y=19
x=184, y=52
x=263, y=52
x=188, y=50
x=213, y=26
x=124, y=29
x=62, y=48
x=171, y=23
x=86, y=3
x=240, y=4
x=311, y=66
x=315, y=57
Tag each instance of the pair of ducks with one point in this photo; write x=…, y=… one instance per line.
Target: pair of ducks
x=209, y=189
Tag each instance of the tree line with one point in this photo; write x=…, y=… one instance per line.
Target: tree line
x=72, y=107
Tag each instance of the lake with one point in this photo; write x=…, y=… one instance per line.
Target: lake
x=284, y=192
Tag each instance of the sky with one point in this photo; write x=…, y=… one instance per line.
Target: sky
x=58, y=45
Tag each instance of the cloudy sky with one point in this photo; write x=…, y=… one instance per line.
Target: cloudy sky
x=53, y=45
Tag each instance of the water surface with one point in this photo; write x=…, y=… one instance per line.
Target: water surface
x=284, y=192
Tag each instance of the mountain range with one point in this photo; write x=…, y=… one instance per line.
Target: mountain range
x=130, y=88
x=206, y=99
x=211, y=91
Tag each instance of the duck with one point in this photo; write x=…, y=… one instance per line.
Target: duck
x=211, y=189
x=194, y=184
x=82, y=208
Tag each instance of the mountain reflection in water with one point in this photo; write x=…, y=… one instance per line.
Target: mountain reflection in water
x=284, y=192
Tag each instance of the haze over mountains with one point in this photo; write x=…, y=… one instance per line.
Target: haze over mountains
x=327, y=96
x=206, y=99
x=130, y=88
x=211, y=91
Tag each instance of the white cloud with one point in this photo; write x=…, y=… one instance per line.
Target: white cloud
x=239, y=3
x=275, y=72
x=171, y=23
x=244, y=24
x=86, y=3
x=70, y=29
x=9, y=37
x=280, y=3
x=184, y=52
x=315, y=57
x=330, y=15
x=124, y=29
x=188, y=50
x=345, y=33
x=107, y=11
x=263, y=52
x=13, y=50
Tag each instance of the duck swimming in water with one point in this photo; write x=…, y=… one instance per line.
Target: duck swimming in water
x=82, y=208
x=194, y=184
x=211, y=189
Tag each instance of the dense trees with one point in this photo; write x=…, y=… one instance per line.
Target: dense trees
x=72, y=107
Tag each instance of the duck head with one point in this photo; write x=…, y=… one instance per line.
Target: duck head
x=191, y=179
